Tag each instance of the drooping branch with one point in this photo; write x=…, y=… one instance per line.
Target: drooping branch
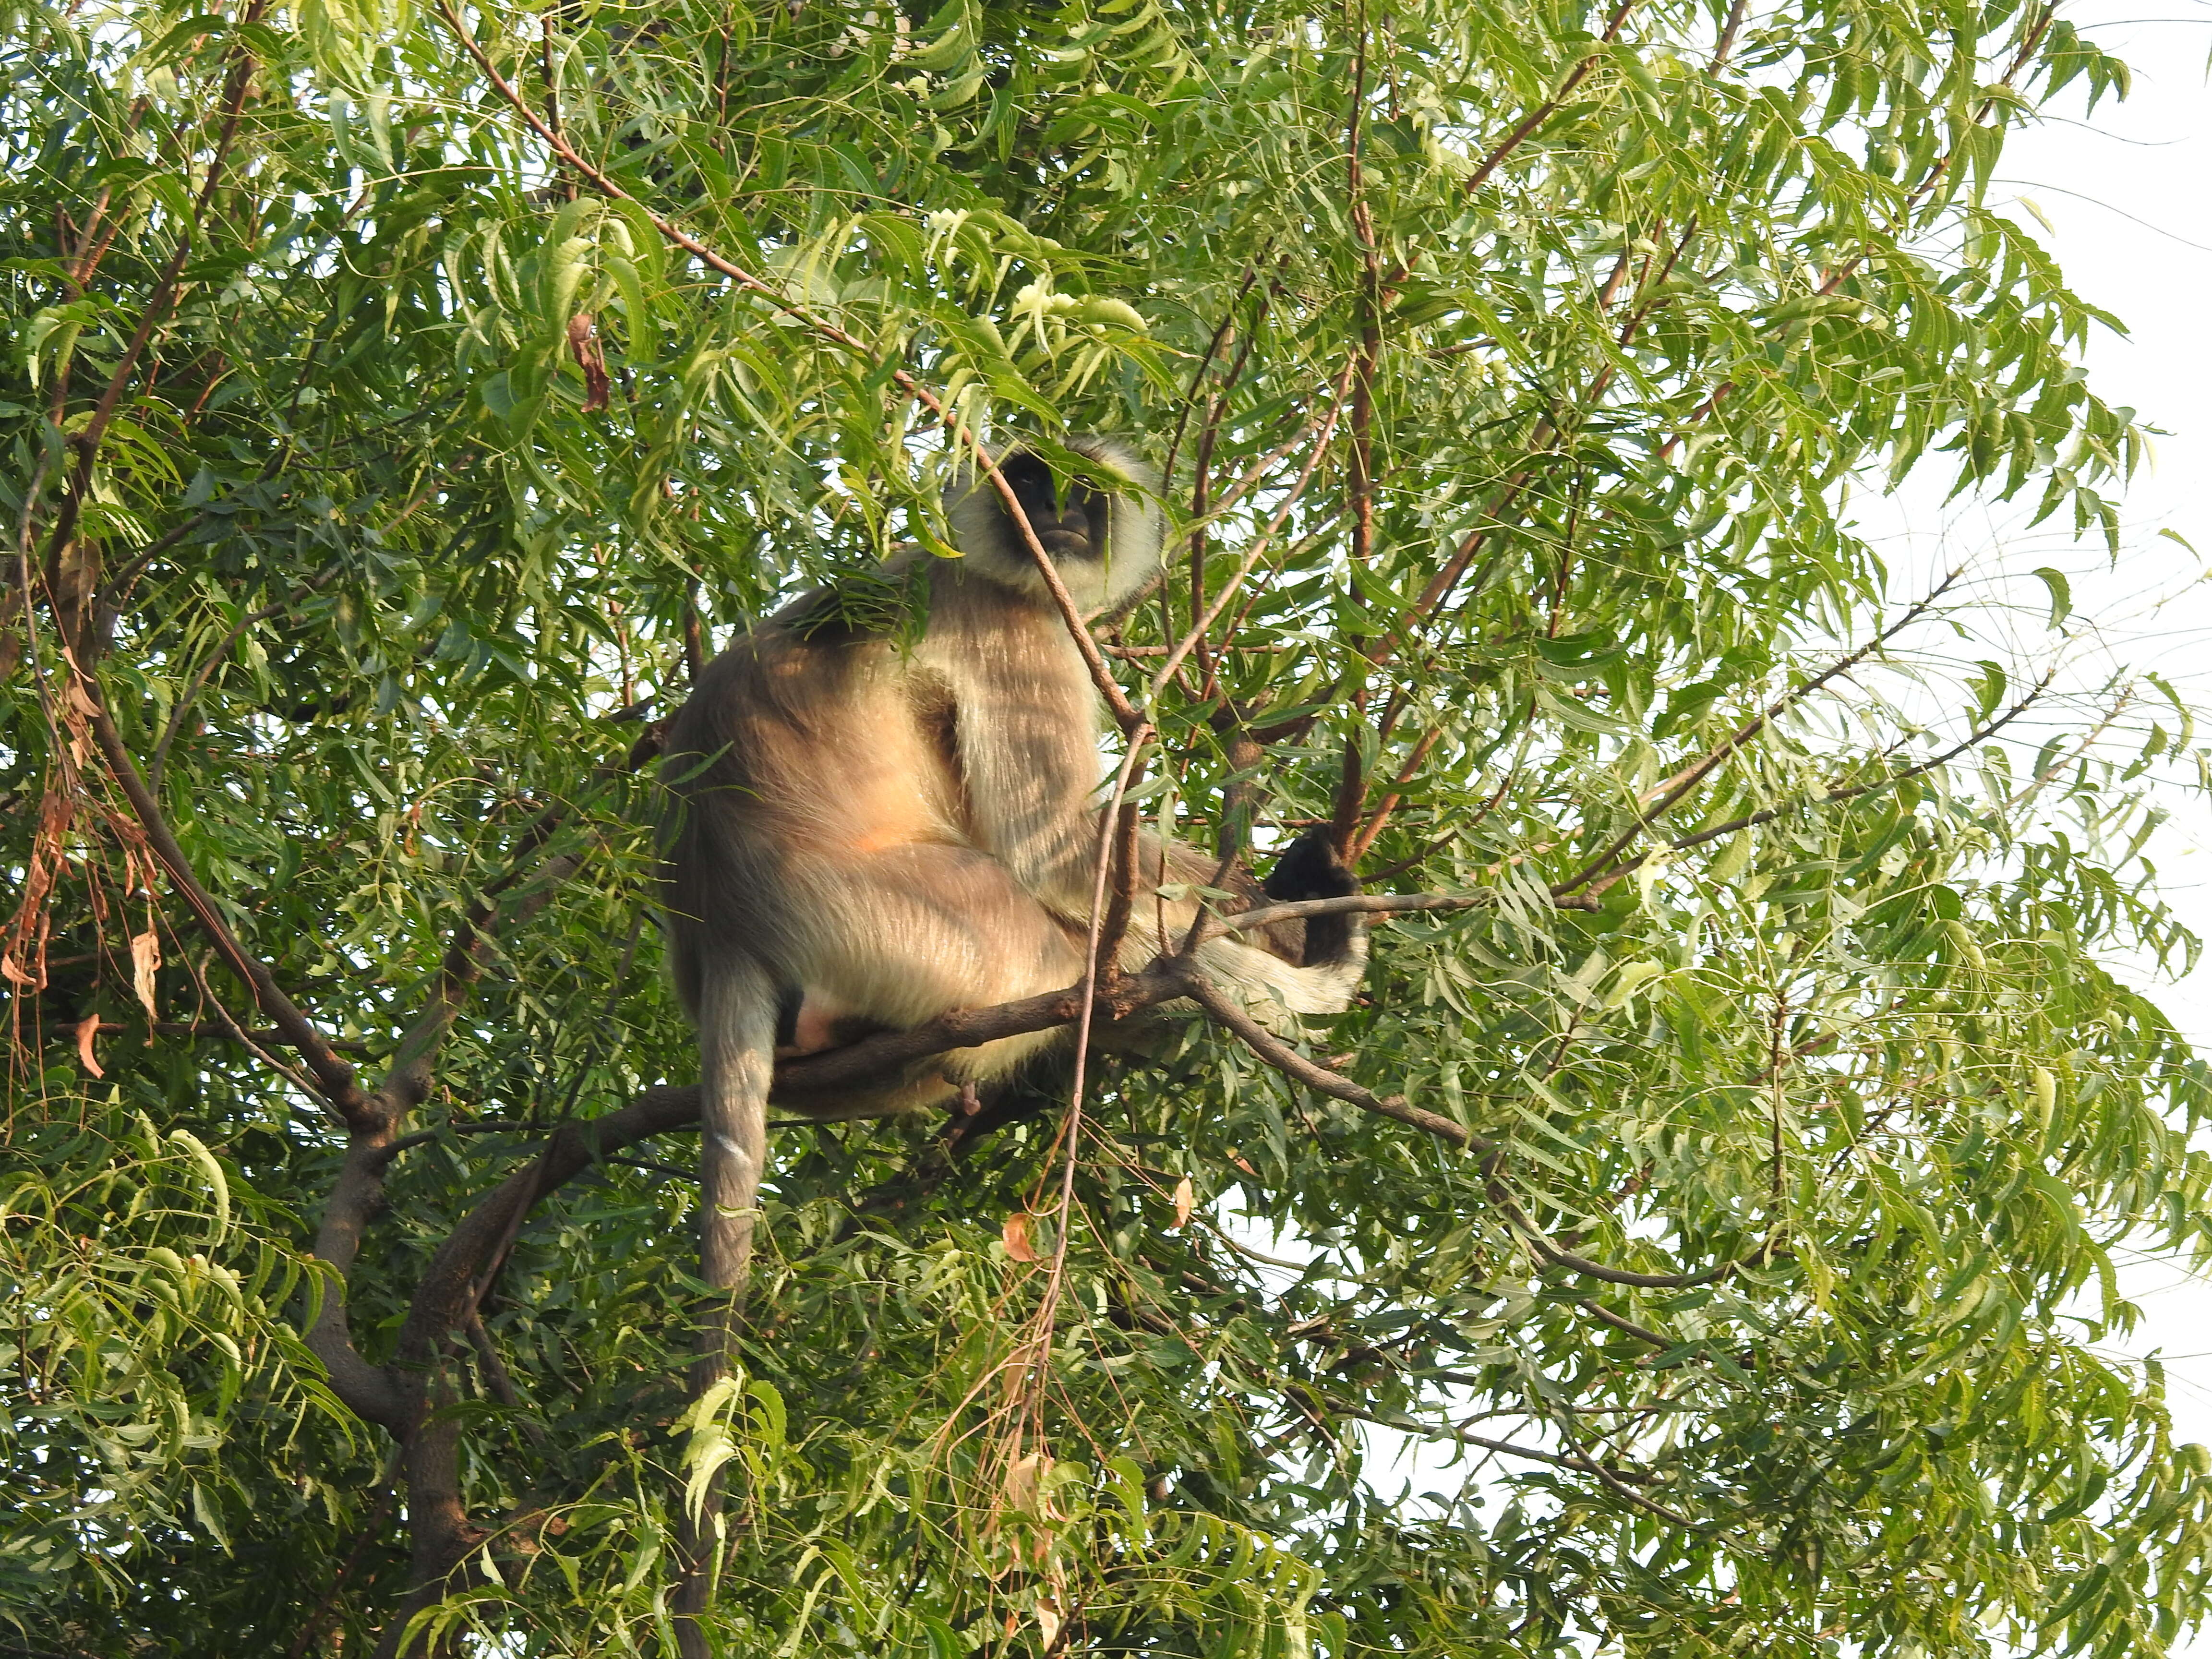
x=180, y=1028
x=1981, y=733
x=1295, y=1065
x=1553, y=1256
x=332, y=1073
x=1422, y=1430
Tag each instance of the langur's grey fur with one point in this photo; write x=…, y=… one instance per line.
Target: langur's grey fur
x=868, y=829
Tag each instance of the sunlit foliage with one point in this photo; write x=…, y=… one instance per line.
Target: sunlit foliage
x=399, y=400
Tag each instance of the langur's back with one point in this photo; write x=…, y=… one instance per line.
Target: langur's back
x=796, y=751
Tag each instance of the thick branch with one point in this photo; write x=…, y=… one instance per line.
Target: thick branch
x=356, y=1196
x=823, y=1077
x=446, y=1290
x=358, y=1193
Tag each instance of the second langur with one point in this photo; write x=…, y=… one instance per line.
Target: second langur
x=868, y=828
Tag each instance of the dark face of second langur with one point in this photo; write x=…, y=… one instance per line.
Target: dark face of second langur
x=1069, y=525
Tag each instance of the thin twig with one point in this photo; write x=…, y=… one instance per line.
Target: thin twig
x=1605, y=1315
x=159, y=761
x=1071, y=1128
x=1544, y=112
x=333, y=1075
x=1183, y=646
x=1683, y=782
x=1835, y=797
x=1295, y=1065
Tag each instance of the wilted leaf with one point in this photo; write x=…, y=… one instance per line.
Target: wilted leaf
x=87, y=1028
x=1024, y=1478
x=145, y=963
x=1051, y=1620
x=584, y=341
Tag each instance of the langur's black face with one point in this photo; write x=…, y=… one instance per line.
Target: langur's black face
x=1069, y=526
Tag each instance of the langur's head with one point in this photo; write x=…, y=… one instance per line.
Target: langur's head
x=1105, y=547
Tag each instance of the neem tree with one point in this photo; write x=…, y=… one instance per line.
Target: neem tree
x=401, y=400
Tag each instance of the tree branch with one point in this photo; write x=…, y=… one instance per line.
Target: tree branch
x=1833, y=797
x=1675, y=788
x=1544, y=112
x=1447, y=1431
x=334, y=1075
x=1605, y=1315
x=1295, y=1066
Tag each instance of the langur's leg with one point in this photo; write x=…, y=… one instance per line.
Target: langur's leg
x=921, y=930
x=817, y=1022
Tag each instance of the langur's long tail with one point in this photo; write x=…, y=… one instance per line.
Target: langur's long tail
x=735, y=1010
x=735, y=1014
x=1327, y=975
x=1335, y=957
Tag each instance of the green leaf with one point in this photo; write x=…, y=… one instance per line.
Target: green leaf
x=2062, y=593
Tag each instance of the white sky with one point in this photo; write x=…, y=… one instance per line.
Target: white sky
x=2127, y=199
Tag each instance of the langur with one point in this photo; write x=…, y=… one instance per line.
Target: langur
x=869, y=827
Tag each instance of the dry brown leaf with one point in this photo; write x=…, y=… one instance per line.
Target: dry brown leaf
x=584, y=341
x=1024, y=1476
x=87, y=1028
x=145, y=961
x=24, y=962
x=1019, y=1235
x=1185, y=1196
x=1050, y=1620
